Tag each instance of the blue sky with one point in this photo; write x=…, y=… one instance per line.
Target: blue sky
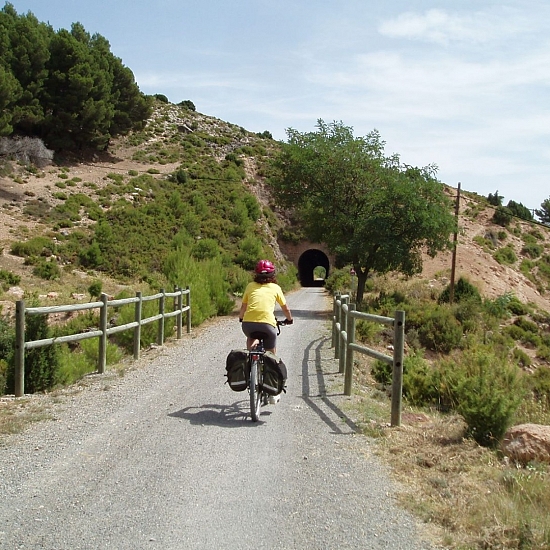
x=463, y=84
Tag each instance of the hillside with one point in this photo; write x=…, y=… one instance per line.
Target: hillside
x=164, y=145
x=174, y=137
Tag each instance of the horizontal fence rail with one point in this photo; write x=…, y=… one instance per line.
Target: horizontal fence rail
x=104, y=330
x=343, y=342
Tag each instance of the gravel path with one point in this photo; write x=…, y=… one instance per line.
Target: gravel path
x=166, y=457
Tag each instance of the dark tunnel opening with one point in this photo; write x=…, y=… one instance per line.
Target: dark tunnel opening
x=313, y=268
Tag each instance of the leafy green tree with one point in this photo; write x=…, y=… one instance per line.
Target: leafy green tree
x=29, y=52
x=519, y=210
x=496, y=199
x=371, y=211
x=502, y=216
x=77, y=93
x=544, y=212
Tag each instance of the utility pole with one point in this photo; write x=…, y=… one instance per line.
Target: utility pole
x=455, y=243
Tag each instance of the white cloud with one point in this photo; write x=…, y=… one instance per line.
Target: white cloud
x=442, y=27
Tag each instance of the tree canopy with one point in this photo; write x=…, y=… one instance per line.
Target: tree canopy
x=65, y=87
x=372, y=211
x=544, y=212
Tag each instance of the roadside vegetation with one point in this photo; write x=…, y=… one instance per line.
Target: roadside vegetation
x=472, y=369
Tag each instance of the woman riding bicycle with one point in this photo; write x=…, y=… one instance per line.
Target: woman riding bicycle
x=257, y=310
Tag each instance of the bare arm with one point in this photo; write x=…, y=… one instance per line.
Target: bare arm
x=242, y=310
x=287, y=313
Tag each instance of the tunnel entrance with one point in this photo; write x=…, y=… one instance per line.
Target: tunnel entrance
x=313, y=268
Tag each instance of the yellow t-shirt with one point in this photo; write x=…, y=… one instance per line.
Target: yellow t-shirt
x=260, y=302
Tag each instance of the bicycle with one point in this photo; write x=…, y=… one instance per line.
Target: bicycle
x=255, y=369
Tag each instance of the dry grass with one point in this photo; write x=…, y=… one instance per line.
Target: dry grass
x=469, y=496
x=17, y=414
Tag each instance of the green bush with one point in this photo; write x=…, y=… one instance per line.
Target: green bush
x=420, y=380
x=382, y=372
x=367, y=332
x=463, y=291
x=95, y=289
x=41, y=364
x=439, y=330
x=37, y=246
x=7, y=279
x=506, y=255
x=47, y=269
x=539, y=384
x=7, y=349
x=485, y=389
x=502, y=216
x=339, y=280
x=205, y=249
x=521, y=358
x=250, y=252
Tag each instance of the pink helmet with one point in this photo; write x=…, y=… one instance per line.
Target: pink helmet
x=265, y=267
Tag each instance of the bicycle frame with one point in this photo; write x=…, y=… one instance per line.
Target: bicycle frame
x=257, y=395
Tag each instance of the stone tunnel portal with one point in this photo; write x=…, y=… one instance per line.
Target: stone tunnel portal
x=307, y=264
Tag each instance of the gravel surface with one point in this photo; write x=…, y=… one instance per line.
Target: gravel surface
x=166, y=457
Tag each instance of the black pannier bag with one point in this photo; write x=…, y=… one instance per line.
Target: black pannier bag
x=236, y=366
x=274, y=379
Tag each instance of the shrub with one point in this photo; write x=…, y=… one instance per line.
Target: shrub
x=521, y=358
x=95, y=289
x=382, y=372
x=338, y=280
x=36, y=246
x=420, y=380
x=187, y=104
x=464, y=290
x=506, y=255
x=439, y=330
x=539, y=384
x=532, y=250
x=47, y=269
x=41, y=364
x=7, y=348
x=7, y=279
x=502, y=216
x=250, y=252
x=205, y=249
x=367, y=331
x=486, y=390
x=27, y=150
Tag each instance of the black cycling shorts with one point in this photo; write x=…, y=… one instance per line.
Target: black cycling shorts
x=269, y=331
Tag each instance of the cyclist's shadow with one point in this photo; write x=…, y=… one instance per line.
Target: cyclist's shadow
x=226, y=416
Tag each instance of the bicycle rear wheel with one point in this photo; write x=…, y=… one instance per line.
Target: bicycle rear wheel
x=255, y=390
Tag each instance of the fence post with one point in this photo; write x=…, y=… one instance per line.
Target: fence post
x=334, y=313
x=338, y=316
x=179, y=316
x=160, y=334
x=397, y=379
x=20, y=348
x=137, y=329
x=102, y=356
x=348, y=376
x=189, y=310
x=343, y=329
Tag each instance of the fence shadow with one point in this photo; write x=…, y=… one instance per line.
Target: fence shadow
x=312, y=399
x=236, y=415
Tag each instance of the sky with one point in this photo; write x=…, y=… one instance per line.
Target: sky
x=461, y=84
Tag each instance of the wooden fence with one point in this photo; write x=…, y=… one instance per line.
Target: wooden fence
x=104, y=330
x=343, y=342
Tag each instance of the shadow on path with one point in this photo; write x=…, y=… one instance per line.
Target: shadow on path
x=236, y=415
x=312, y=399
